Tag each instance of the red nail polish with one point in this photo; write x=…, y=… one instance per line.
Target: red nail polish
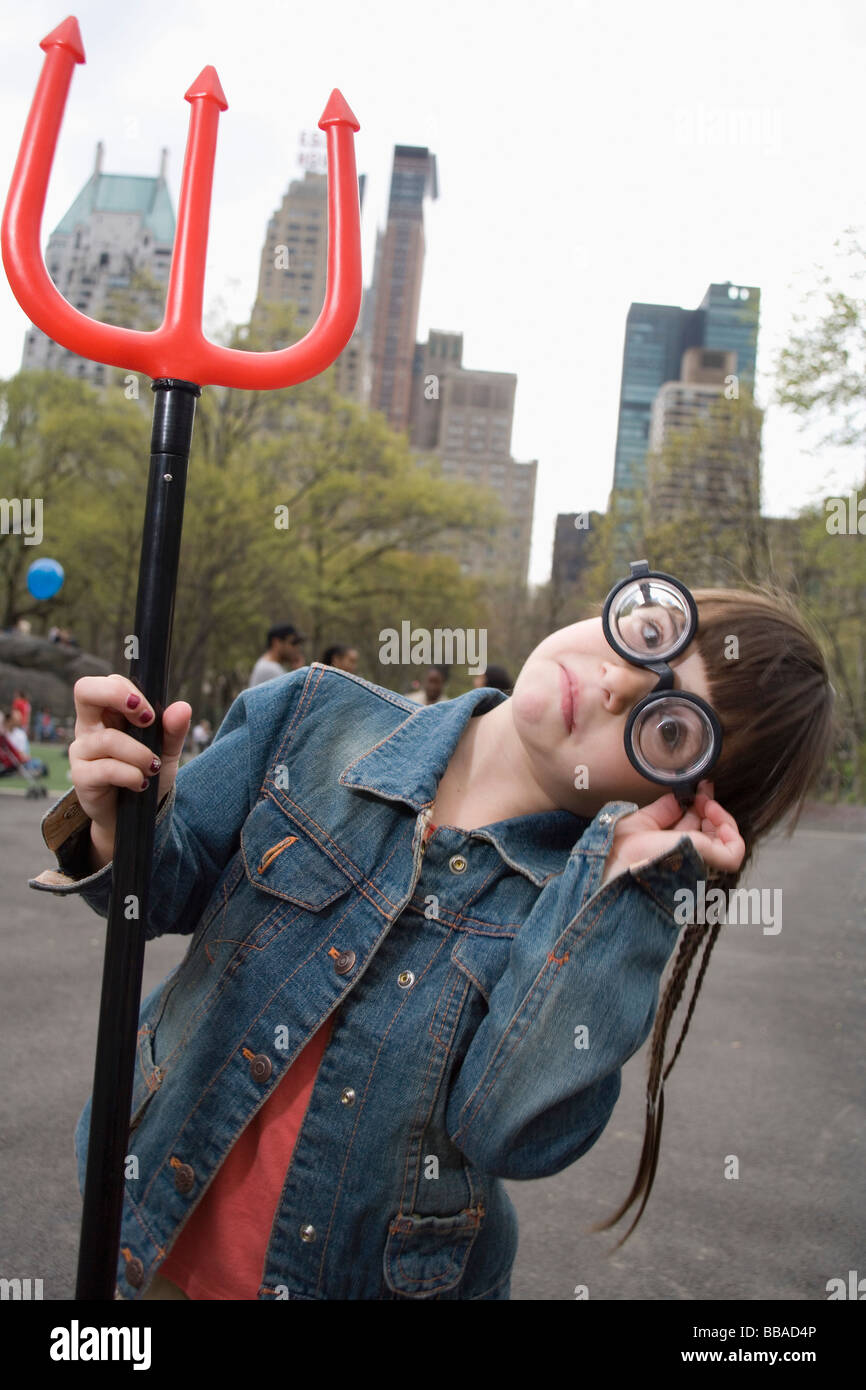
x=146, y=716
x=132, y=701
x=144, y=786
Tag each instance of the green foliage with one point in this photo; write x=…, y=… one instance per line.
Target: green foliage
x=820, y=371
x=358, y=553
x=702, y=514
x=81, y=454
x=820, y=375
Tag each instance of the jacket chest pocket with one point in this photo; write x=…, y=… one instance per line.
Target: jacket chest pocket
x=293, y=872
x=482, y=959
x=426, y=1255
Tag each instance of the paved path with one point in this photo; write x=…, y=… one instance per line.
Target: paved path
x=772, y=1072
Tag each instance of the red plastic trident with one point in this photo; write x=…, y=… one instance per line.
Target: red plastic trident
x=178, y=347
x=181, y=360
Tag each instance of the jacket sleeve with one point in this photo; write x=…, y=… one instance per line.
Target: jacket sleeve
x=541, y=1076
x=198, y=823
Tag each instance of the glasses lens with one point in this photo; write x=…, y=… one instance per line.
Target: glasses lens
x=673, y=738
x=648, y=618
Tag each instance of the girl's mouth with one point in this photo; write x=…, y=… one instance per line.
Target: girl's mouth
x=568, y=703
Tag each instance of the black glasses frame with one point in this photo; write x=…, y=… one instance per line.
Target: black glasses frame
x=684, y=788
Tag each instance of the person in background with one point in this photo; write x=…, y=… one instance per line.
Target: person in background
x=433, y=689
x=201, y=736
x=340, y=656
x=22, y=704
x=283, y=644
x=495, y=678
x=17, y=736
x=46, y=731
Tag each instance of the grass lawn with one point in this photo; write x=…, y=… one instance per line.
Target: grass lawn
x=56, y=783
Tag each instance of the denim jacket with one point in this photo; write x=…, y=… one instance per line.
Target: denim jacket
x=462, y=968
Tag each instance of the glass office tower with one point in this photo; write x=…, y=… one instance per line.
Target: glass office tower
x=656, y=337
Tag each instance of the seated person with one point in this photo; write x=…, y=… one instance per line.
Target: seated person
x=18, y=738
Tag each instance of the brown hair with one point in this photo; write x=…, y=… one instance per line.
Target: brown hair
x=770, y=687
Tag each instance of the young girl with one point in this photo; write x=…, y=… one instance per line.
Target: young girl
x=425, y=940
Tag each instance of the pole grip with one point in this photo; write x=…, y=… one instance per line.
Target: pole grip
x=171, y=437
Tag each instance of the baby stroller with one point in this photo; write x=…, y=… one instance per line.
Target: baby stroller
x=10, y=763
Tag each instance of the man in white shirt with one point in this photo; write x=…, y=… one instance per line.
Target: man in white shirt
x=283, y=645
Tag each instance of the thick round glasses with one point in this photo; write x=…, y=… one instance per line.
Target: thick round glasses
x=671, y=736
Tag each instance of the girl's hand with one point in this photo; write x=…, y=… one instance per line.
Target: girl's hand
x=103, y=757
x=656, y=828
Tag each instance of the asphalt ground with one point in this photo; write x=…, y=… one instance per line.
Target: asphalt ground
x=771, y=1074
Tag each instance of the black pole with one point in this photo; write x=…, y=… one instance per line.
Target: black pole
x=171, y=437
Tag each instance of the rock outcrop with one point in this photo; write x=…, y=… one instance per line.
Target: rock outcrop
x=46, y=671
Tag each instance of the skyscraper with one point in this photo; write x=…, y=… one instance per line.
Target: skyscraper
x=294, y=261
x=118, y=226
x=680, y=403
x=656, y=337
x=397, y=286
x=294, y=269
x=464, y=417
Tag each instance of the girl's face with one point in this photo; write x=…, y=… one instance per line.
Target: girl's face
x=570, y=705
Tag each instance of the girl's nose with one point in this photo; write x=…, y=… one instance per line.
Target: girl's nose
x=623, y=685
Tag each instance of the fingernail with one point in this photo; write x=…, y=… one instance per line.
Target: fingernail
x=132, y=701
x=145, y=716
x=155, y=765
x=144, y=786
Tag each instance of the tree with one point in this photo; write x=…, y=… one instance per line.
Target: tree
x=60, y=444
x=702, y=516
x=820, y=371
x=819, y=375
x=297, y=501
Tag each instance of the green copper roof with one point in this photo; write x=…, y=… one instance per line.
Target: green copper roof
x=124, y=193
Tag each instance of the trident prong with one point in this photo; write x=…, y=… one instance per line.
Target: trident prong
x=178, y=348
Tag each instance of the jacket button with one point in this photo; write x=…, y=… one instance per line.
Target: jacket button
x=405, y=979
x=347, y=1096
x=344, y=962
x=261, y=1067
x=134, y=1272
x=308, y=1233
x=184, y=1178
x=457, y=864
x=605, y=819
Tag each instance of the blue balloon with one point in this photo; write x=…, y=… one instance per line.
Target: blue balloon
x=45, y=578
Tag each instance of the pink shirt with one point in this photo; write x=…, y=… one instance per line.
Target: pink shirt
x=220, y=1252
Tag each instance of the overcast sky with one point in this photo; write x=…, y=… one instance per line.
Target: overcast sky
x=589, y=155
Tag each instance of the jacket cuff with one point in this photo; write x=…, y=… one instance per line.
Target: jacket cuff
x=66, y=831
x=660, y=878
x=666, y=876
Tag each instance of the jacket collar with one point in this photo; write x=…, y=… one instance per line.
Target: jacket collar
x=407, y=765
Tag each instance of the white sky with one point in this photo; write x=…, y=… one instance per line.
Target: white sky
x=589, y=155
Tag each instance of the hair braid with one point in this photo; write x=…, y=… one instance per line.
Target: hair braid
x=689, y=946
x=705, y=960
